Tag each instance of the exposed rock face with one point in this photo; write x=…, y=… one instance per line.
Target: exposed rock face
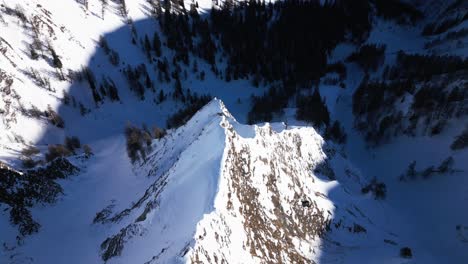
x=261, y=177
x=263, y=183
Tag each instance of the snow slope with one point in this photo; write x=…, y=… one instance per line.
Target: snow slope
x=215, y=190
x=74, y=32
x=432, y=210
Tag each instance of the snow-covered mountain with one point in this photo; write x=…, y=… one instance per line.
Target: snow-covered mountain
x=81, y=182
x=215, y=191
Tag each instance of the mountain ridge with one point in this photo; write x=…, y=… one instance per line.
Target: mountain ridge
x=348, y=131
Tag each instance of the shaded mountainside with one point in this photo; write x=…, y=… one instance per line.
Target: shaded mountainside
x=363, y=161
x=218, y=191
x=260, y=201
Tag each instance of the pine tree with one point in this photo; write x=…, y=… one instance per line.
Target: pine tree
x=148, y=82
x=161, y=96
x=313, y=109
x=66, y=98
x=123, y=9
x=195, y=66
x=113, y=92
x=167, y=7
x=156, y=44
x=56, y=62
x=104, y=4
x=156, y=10
x=83, y=110
x=228, y=5
x=97, y=98
x=202, y=75
x=147, y=47
x=104, y=45
x=336, y=133
x=33, y=52
x=178, y=93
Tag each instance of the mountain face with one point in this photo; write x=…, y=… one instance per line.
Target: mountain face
x=237, y=193
x=345, y=140
x=214, y=191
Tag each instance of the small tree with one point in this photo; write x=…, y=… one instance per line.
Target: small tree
x=34, y=112
x=161, y=96
x=30, y=151
x=313, y=109
x=156, y=44
x=158, y=133
x=87, y=151
x=406, y=252
x=103, y=44
x=56, y=60
x=114, y=57
x=147, y=47
x=138, y=142
x=336, y=133
x=178, y=93
x=57, y=63
x=33, y=52
x=72, y=143
x=428, y=172
x=461, y=141
x=156, y=9
x=202, y=75
x=123, y=9
x=83, y=109
x=54, y=118
x=65, y=97
x=411, y=171
x=56, y=151
x=379, y=189
x=446, y=166
x=27, y=153
x=28, y=163
x=104, y=4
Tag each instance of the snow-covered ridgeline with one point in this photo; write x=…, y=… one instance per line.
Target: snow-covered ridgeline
x=229, y=192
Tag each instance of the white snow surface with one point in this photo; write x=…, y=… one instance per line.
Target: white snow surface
x=74, y=33
x=216, y=190
x=210, y=190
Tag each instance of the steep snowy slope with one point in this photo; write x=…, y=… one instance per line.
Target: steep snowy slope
x=217, y=191
x=430, y=206
x=30, y=83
